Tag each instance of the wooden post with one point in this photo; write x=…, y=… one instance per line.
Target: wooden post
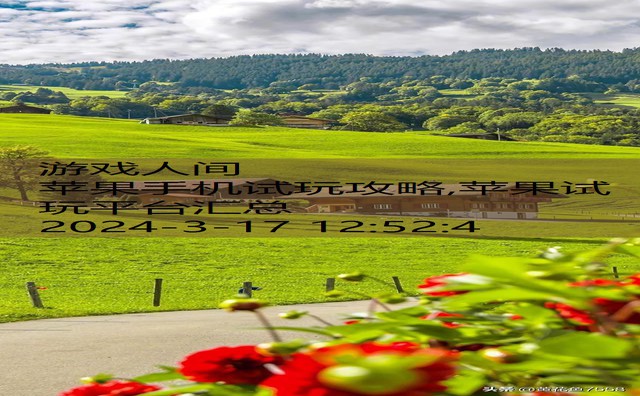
x=33, y=294
x=247, y=288
x=331, y=284
x=396, y=281
x=157, y=292
x=615, y=272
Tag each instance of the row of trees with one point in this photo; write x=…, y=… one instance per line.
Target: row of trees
x=288, y=72
x=43, y=96
x=527, y=109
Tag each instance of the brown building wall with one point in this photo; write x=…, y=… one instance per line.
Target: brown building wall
x=196, y=120
x=443, y=204
x=304, y=122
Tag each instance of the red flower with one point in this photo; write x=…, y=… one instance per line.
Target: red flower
x=398, y=369
x=111, y=388
x=436, y=282
x=596, y=282
x=633, y=280
x=568, y=312
x=604, y=306
x=233, y=365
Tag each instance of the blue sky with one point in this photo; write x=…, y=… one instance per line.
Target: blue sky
x=82, y=30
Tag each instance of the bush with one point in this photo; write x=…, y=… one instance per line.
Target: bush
x=371, y=121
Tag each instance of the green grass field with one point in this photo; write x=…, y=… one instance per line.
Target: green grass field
x=457, y=93
x=87, y=137
x=69, y=92
x=622, y=99
x=101, y=276
x=115, y=275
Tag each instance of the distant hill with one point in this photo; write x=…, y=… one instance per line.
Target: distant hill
x=330, y=72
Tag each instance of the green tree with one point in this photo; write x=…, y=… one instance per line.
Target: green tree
x=522, y=120
x=446, y=121
x=254, y=118
x=19, y=168
x=219, y=110
x=466, y=127
x=371, y=121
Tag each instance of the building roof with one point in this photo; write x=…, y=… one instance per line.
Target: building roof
x=222, y=116
x=482, y=136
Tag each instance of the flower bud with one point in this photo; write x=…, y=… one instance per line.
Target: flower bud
x=242, y=304
x=97, y=379
x=352, y=276
x=369, y=379
x=280, y=348
x=292, y=314
x=499, y=356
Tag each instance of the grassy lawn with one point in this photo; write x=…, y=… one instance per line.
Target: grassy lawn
x=78, y=137
x=91, y=275
x=86, y=276
x=69, y=92
x=621, y=99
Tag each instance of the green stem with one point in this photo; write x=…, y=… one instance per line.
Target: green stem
x=319, y=319
x=267, y=325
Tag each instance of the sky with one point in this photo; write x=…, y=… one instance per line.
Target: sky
x=65, y=31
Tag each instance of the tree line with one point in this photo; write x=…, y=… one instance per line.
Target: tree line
x=553, y=109
x=333, y=71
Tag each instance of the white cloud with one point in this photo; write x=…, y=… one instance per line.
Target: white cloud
x=81, y=30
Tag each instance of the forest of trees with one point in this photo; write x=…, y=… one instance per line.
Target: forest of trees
x=528, y=94
x=333, y=71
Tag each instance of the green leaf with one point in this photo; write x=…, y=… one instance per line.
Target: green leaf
x=465, y=382
x=573, y=379
x=512, y=268
x=629, y=250
x=586, y=345
x=507, y=294
x=179, y=390
x=159, y=377
x=308, y=330
x=536, y=316
x=402, y=314
x=513, y=271
x=361, y=332
x=436, y=330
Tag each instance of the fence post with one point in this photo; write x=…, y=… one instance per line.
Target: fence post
x=615, y=272
x=247, y=288
x=34, y=295
x=396, y=281
x=157, y=292
x=330, y=284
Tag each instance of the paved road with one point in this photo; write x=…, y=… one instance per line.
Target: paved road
x=43, y=357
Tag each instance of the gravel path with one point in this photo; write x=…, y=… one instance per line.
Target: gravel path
x=44, y=357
